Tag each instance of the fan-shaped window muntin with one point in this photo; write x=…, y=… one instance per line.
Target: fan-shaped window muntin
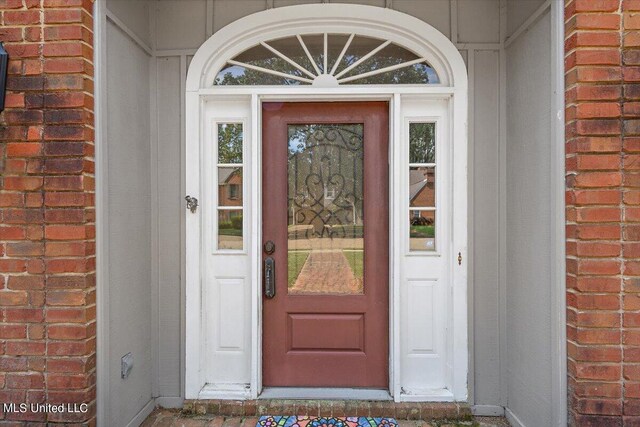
x=326, y=60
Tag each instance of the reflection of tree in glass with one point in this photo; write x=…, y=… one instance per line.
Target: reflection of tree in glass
x=415, y=74
x=230, y=143
x=246, y=77
x=422, y=147
x=325, y=178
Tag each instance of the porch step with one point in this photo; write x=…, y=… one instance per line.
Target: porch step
x=326, y=408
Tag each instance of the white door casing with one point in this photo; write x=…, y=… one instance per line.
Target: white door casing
x=428, y=292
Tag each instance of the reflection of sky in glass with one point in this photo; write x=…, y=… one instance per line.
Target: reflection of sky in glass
x=433, y=77
x=235, y=70
x=296, y=145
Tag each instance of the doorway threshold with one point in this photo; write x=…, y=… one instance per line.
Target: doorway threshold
x=313, y=393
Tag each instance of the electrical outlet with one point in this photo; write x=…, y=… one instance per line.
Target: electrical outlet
x=126, y=363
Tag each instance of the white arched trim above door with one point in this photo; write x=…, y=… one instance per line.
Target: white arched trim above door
x=399, y=28
x=223, y=342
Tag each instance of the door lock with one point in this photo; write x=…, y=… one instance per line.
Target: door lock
x=269, y=247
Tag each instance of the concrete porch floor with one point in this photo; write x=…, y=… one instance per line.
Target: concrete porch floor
x=175, y=418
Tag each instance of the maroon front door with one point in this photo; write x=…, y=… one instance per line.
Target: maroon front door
x=326, y=212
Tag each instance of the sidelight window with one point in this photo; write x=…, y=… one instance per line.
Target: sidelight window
x=422, y=187
x=230, y=167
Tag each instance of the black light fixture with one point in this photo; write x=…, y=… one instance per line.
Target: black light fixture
x=4, y=60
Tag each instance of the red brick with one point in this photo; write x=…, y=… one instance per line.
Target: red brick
x=596, y=5
x=597, y=57
x=595, y=22
x=66, y=65
x=592, y=197
x=24, y=183
x=70, y=348
x=23, y=149
x=599, y=406
x=631, y=5
x=598, y=127
x=62, y=16
x=598, y=214
x=67, y=315
x=25, y=348
x=598, y=74
x=11, y=332
x=598, y=110
x=21, y=17
x=65, y=232
x=68, y=332
x=591, y=371
x=599, y=179
x=26, y=282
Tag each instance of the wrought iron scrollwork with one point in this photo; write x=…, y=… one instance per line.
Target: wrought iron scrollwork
x=326, y=179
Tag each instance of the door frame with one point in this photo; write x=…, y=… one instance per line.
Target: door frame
x=195, y=389
x=452, y=71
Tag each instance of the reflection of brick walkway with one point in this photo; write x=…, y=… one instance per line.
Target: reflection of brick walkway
x=327, y=272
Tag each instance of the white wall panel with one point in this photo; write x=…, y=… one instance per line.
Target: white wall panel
x=530, y=225
x=181, y=24
x=129, y=246
x=379, y=3
x=281, y=3
x=135, y=15
x=434, y=12
x=169, y=210
x=227, y=11
x=519, y=11
x=479, y=21
x=485, y=181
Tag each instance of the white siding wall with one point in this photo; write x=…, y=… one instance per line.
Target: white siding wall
x=128, y=251
x=530, y=226
x=485, y=185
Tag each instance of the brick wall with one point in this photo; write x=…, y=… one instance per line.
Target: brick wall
x=47, y=246
x=603, y=211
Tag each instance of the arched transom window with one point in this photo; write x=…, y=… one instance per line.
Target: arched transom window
x=326, y=60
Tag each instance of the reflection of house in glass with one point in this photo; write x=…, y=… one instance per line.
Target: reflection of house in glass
x=229, y=197
x=422, y=194
x=229, y=186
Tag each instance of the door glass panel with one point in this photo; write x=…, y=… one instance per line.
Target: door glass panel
x=230, y=229
x=422, y=143
x=229, y=143
x=325, y=209
x=422, y=186
x=229, y=186
x=422, y=230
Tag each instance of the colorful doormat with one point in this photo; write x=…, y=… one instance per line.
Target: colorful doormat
x=311, y=421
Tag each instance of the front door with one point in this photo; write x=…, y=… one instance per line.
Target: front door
x=325, y=208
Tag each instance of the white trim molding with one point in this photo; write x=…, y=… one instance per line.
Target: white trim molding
x=210, y=275
x=402, y=29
